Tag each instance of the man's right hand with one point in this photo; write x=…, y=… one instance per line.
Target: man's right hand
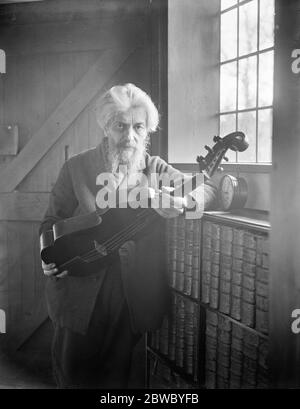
x=50, y=270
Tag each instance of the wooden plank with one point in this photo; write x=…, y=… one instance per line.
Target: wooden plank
x=33, y=302
x=81, y=35
x=82, y=129
x=40, y=278
x=93, y=81
x=69, y=10
x=1, y=99
x=66, y=79
x=9, y=140
x=22, y=303
x=54, y=91
x=4, y=307
x=27, y=233
x=30, y=320
x=3, y=259
x=23, y=206
x=56, y=87
x=10, y=92
x=14, y=278
x=31, y=108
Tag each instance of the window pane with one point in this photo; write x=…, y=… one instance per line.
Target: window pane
x=247, y=124
x=266, y=31
x=228, y=125
x=229, y=35
x=248, y=28
x=265, y=118
x=228, y=87
x=266, y=70
x=247, y=82
x=225, y=4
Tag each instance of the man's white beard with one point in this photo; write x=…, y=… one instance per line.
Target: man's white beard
x=131, y=158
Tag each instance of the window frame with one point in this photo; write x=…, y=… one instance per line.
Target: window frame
x=247, y=167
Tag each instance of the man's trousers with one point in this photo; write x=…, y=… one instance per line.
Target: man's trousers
x=102, y=357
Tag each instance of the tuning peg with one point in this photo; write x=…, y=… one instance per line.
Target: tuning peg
x=208, y=148
x=200, y=159
x=226, y=159
x=216, y=138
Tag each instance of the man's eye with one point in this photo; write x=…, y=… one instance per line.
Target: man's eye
x=119, y=125
x=139, y=127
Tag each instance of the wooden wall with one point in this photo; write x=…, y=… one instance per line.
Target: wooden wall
x=60, y=56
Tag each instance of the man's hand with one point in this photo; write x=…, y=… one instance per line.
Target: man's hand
x=50, y=270
x=170, y=206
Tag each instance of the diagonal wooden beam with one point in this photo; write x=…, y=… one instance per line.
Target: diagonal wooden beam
x=67, y=111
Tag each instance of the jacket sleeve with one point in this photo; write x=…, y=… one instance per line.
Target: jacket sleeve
x=62, y=202
x=208, y=190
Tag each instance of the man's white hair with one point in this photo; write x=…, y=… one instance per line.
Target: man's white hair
x=122, y=97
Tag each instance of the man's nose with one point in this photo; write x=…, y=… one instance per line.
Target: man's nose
x=129, y=133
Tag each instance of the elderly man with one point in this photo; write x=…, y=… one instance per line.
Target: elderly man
x=98, y=320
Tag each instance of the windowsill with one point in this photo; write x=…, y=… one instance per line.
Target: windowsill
x=233, y=167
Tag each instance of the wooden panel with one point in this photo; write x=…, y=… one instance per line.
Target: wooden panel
x=285, y=199
x=69, y=10
x=23, y=206
x=26, y=308
x=78, y=36
x=9, y=140
x=31, y=107
x=38, y=85
x=3, y=259
x=7, y=104
x=85, y=132
x=26, y=232
x=10, y=92
x=14, y=278
x=61, y=73
x=62, y=117
x=2, y=99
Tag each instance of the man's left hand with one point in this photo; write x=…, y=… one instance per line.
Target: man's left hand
x=170, y=206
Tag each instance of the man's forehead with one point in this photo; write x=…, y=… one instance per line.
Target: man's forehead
x=134, y=114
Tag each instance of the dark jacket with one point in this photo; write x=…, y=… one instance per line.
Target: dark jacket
x=71, y=300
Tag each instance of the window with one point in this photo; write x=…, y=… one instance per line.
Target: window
x=246, y=75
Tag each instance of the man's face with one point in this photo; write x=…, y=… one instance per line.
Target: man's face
x=127, y=132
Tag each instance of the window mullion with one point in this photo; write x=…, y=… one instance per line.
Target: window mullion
x=237, y=73
x=257, y=80
x=256, y=54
